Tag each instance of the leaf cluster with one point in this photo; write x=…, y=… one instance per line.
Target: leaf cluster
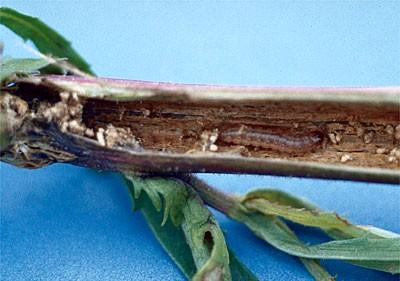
x=187, y=230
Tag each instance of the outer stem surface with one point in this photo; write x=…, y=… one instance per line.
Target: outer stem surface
x=213, y=197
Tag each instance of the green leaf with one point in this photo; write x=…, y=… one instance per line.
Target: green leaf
x=25, y=66
x=279, y=203
x=350, y=249
x=276, y=202
x=196, y=244
x=171, y=238
x=316, y=270
x=162, y=191
x=206, y=241
x=312, y=265
x=377, y=253
x=46, y=39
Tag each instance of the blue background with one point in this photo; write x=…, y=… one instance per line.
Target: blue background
x=70, y=223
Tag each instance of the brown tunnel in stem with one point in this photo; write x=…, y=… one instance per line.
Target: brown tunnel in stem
x=318, y=132
x=157, y=127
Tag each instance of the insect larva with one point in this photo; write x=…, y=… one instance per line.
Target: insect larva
x=281, y=139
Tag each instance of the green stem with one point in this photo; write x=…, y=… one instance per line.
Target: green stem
x=213, y=197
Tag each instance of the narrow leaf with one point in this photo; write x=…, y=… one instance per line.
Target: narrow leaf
x=363, y=252
x=351, y=249
x=312, y=265
x=316, y=270
x=276, y=202
x=46, y=39
x=25, y=66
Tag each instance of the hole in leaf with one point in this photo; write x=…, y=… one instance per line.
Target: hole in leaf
x=208, y=240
